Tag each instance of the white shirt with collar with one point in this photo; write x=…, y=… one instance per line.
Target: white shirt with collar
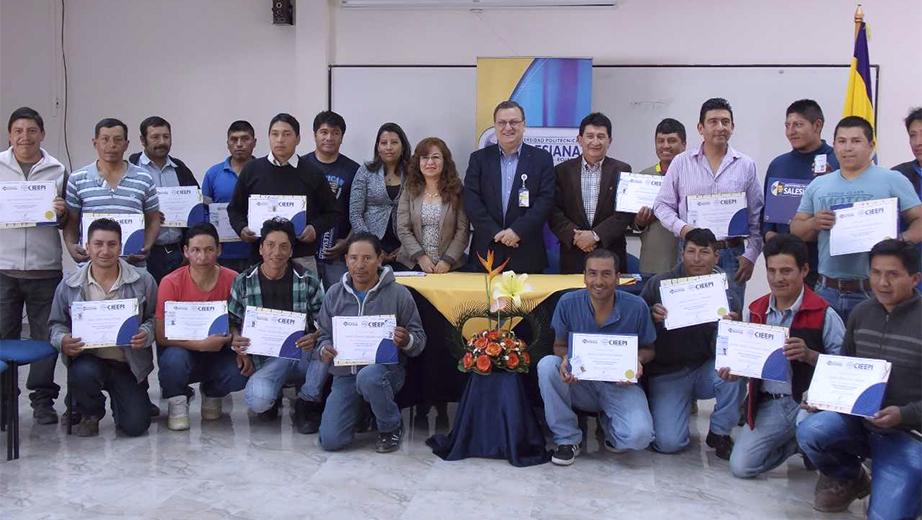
x=292, y=161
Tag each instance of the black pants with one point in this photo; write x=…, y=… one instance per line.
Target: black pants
x=90, y=375
x=163, y=260
x=36, y=296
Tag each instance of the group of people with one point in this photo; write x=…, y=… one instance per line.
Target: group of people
x=403, y=210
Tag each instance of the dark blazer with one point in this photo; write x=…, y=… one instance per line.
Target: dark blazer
x=908, y=171
x=483, y=202
x=569, y=215
x=183, y=173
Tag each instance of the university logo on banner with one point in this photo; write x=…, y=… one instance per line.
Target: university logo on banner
x=556, y=94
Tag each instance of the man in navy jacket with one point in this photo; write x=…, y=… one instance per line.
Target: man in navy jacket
x=508, y=195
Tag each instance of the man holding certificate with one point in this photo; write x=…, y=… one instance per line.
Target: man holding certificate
x=279, y=285
x=111, y=185
x=167, y=172
x=716, y=168
x=371, y=293
x=684, y=366
x=595, y=329
x=30, y=254
x=194, y=340
x=584, y=216
x=844, y=278
x=815, y=328
x=884, y=327
x=283, y=173
x=101, y=357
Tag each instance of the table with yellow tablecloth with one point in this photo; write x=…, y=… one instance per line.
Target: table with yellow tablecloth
x=433, y=376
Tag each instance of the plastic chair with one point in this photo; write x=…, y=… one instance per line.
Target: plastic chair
x=15, y=353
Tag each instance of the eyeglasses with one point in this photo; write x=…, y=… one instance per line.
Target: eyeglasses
x=513, y=123
x=423, y=159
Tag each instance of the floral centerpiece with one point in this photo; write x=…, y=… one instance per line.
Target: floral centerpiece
x=496, y=347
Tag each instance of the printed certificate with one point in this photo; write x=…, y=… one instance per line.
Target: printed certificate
x=105, y=323
x=694, y=300
x=364, y=340
x=723, y=213
x=132, y=229
x=636, y=190
x=603, y=357
x=182, y=206
x=194, y=320
x=272, y=332
x=27, y=204
x=752, y=350
x=267, y=207
x=861, y=225
x=851, y=385
x=217, y=215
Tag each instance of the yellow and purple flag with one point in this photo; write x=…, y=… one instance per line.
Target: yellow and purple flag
x=858, y=97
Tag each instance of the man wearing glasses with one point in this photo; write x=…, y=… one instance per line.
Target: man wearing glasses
x=508, y=195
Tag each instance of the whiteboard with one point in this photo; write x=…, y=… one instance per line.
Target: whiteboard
x=440, y=101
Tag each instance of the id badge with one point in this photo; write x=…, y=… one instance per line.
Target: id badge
x=523, y=193
x=819, y=164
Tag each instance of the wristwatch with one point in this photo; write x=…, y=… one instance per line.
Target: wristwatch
x=596, y=236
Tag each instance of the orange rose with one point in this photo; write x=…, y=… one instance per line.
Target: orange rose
x=484, y=364
x=509, y=344
x=468, y=360
x=526, y=358
x=493, y=349
x=493, y=335
x=512, y=362
x=481, y=343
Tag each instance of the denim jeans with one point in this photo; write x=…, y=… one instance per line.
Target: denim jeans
x=331, y=272
x=837, y=443
x=36, y=296
x=625, y=408
x=671, y=396
x=841, y=302
x=728, y=261
x=264, y=385
x=90, y=375
x=771, y=442
x=216, y=371
x=376, y=384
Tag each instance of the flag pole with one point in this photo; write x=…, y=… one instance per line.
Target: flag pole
x=859, y=19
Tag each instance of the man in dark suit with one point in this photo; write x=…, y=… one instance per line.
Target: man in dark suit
x=584, y=215
x=508, y=194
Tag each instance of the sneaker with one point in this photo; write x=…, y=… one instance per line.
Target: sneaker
x=833, y=497
x=565, y=454
x=178, y=413
x=88, y=427
x=307, y=416
x=154, y=410
x=272, y=413
x=389, y=441
x=45, y=414
x=723, y=444
x=74, y=418
x=612, y=449
x=212, y=408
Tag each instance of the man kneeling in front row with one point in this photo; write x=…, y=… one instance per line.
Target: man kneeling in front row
x=623, y=410
x=367, y=290
x=119, y=370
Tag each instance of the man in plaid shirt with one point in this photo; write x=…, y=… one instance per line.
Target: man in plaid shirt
x=277, y=283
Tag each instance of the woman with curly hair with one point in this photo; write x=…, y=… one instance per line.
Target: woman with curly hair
x=431, y=223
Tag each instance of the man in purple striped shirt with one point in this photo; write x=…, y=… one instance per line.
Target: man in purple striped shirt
x=715, y=167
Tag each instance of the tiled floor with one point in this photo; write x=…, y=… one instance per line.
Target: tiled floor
x=240, y=468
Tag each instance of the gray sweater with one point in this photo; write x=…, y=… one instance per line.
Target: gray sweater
x=369, y=205
x=136, y=283
x=386, y=297
x=896, y=337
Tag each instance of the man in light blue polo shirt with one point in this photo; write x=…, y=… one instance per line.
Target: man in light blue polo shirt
x=220, y=181
x=844, y=278
x=111, y=185
x=623, y=410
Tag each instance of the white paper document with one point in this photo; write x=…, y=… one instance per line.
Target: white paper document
x=364, y=340
x=272, y=332
x=105, y=323
x=725, y=214
x=752, y=350
x=194, y=320
x=694, y=300
x=27, y=204
x=267, y=207
x=217, y=215
x=851, y=385
x=603, y=357
x=636, y=190
x=181, y=206
x=861, y=225
x=132, y=229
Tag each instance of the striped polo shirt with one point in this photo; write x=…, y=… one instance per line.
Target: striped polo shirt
x=88, y=191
